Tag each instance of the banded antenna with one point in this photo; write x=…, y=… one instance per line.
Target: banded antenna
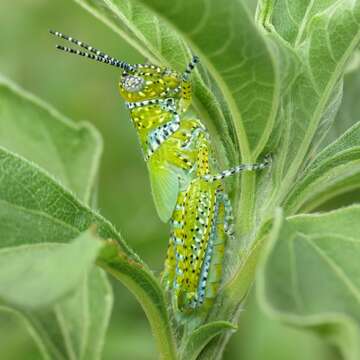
x=94, y=53
x=190, y=67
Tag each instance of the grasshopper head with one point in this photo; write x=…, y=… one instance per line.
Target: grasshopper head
x=149, y=82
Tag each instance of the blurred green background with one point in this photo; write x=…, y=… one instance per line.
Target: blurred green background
x=83, y=90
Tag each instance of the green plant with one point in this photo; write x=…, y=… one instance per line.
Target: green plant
x=273, y=84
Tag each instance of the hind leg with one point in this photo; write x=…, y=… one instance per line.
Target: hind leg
x=176, y=225
x=238, y=169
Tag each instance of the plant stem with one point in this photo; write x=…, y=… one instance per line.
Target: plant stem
x=246, y=205
x=145, y=287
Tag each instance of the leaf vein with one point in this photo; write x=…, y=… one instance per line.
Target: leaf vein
x=335, y=268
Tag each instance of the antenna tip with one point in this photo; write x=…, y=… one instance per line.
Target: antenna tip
x=195, y=59
x=55, y=33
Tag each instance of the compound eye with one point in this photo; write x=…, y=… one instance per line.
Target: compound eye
x=133, y=83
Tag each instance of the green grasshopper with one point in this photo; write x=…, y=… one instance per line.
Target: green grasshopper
x=187, y=189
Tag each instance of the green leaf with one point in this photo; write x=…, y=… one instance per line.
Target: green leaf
x=71, y=154
x=251, y=4
x=310, y=276
x=199, y=338
x=84, y=316
x=75, y=327
x=324, y=34
x=36, y=131
x=59, y=216
x=35, y=277
x=334, y=171
x=29, y=196
x=99, y=298
x=260, y=337
x=349, y=111
x=30, y=276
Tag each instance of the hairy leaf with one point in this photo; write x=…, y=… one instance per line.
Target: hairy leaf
x=324, y=34
x=36, y=131
x=60, y=217
x=29, y=196
x=75, y=327
x=71, y=154
x=99, y=302
x=35, y=280
x=199, y=338
x=334, y=171
x=30, y=276
x=310, y=277
x=84, y=316
x=349, y=111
